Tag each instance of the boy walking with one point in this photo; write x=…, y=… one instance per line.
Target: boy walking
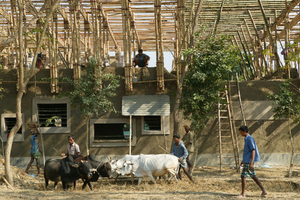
x=34, y=151
x=250, y=156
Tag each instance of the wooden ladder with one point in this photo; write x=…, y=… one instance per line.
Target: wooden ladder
x=227, y=132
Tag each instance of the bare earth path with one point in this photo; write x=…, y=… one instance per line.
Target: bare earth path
x=209, y=184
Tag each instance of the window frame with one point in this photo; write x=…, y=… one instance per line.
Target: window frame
x=18, y=137
x=112, y=143
x=164, y=123
x=51, y=101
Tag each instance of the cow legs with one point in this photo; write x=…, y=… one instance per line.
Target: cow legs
x=153, y=180
x=173, y=173
x=74, y=185
x=90, y=185
x=55, y=184
x=46, y=182
x=140, y=180
x=132, y=178
x=84, y=184
x=64, y=185
x=117, y=177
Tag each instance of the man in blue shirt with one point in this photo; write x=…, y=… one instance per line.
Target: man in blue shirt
x=250, y=155
x=34, y=151
x=141, y=59
x=180, y=151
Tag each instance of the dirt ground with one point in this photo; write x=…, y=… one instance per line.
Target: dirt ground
x=210, y=183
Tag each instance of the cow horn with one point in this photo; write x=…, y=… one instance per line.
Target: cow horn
x=75, y=165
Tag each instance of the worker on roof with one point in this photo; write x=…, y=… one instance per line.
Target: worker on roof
x=141, y=59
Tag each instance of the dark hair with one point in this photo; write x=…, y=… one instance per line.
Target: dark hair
x=176, y=135
x=244, y=128
x=71, y=136
x=141, y=50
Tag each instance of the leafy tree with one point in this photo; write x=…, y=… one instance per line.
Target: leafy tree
x=23, y=80
x=93, y=94
x=288, y=107
x=211, y=63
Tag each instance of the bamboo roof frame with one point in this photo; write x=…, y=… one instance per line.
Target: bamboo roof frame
x=223, y=17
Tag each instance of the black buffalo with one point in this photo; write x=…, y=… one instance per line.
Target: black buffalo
x=97, y=168
x=68, y=171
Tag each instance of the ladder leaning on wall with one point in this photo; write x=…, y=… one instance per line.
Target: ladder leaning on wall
x=227, y=131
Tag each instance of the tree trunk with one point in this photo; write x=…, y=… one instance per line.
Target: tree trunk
x=8, y=173
x=19, y=122
x=293, y=149
x=14, y=130
x=87, y=136
x=179, y=88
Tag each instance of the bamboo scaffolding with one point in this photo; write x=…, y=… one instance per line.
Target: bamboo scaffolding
x=159, y=47
x=263, y=59
x=274, y=46
x=249, y=52
x=246, y=55
x=242, y=58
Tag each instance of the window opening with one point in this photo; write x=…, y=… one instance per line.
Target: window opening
x=10, y=122
x=118, y=131
x=152, y=123
x=52, y=115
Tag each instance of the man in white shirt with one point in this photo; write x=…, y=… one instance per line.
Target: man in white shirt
x=72, y=148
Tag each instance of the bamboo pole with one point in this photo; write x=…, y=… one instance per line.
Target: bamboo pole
x=161, y=84
x=240, y=52
x=126, y=44
x=78, y=42
x=129, y=41
x=274, y=46
x=249, y=52
x=159, y=46
x=218, y=18
x=247, y=58
x=263, y=59
x=287, y=39
x=56, y=54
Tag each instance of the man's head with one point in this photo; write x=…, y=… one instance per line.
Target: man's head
x=71, y=139
x=243, y=131
x=187, y=128
x=140, y=51
x=34, y=132
x=176, y=138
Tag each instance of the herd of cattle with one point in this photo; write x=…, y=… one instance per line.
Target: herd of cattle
x=69, y=170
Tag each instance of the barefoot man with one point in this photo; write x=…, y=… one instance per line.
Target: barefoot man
x=250, y=156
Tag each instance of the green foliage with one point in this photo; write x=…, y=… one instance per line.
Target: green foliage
x=212, y=61
x=88, y=95
x=293, y=52
x=288, y=103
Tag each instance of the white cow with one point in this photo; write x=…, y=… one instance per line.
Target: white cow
x=118, y=165
x=151, y=165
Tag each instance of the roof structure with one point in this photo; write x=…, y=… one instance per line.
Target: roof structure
x=227, y=15
x=81, y=29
